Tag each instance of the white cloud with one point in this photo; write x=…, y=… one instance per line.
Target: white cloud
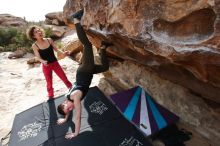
x=32, y=10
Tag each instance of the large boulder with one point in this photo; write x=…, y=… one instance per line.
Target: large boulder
x=7, y=20
x=19, y=53
x=177, y=39
x=55, y=18
x=56, y=31
x=71, y=43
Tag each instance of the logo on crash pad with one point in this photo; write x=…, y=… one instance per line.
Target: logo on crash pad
x=29, y=130
x=98, y=107
x=131, y=142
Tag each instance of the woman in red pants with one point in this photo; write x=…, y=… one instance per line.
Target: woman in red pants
x=44, y=51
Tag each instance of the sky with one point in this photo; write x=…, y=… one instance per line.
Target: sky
x=32, y=10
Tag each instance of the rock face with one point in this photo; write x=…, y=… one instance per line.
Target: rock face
x=55, y=21
x=176, y=39
x=57, y=31
x=7, y=20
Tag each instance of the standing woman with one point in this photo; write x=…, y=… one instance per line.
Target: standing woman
x=44, y=51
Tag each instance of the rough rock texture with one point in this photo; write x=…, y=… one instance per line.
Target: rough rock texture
x=19, y=53
x=55, y=21
x=32, y=61
x=57, y=31
x=71, y=44
x=192, y=109
x=7, y=20
x=55, y=18
x=176, y=39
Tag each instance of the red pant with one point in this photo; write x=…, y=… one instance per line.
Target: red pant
x=47, y=70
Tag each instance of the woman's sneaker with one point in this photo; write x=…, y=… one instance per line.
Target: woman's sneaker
x=77, y=15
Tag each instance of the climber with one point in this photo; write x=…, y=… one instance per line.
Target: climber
x=84, y=76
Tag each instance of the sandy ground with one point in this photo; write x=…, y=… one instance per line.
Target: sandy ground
x=23, y=86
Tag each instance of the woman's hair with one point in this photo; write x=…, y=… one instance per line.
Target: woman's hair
x=30, y=32
x=60, y=110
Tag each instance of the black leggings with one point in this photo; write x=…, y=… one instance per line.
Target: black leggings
x=88, y=64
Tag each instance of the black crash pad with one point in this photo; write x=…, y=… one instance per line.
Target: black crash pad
x=101, y=125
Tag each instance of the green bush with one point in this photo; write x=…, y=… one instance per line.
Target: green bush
x=7, y=36
x=12, y=38
x=48, y=32
x=22, y=41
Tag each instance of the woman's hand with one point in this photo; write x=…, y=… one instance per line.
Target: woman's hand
x=66, y=53
x=61, y=121
x=71, y=135
x=44, y=62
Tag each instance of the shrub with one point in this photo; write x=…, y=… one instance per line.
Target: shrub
x=7, y=36
x=12, y=38
x=48, y=32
